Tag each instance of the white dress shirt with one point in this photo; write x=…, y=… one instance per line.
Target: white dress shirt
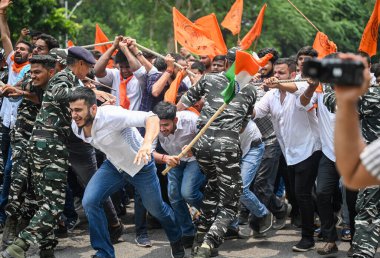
x=296, y=129
x=250, y=134
x=114, y=133
x=326, y=123
x=134, y=87
x=185, y=132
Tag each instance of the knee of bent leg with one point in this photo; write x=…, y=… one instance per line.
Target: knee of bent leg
x=90, y=200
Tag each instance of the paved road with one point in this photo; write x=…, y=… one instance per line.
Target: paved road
x=277, y=244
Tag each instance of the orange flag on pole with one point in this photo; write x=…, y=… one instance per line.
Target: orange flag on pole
x=211, y=27
x=70, y=43
x=254, y=32
x=323, y=45
x=368, y=43
x=191, y=36
x=232, y=21
x=100, y=37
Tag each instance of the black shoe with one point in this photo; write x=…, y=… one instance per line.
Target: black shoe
x=231, y=234
x=47, y=253
x=116, y=232
x=265, y=223
x=304, y=245
x=188, y=241
x=178, y=251
x=198, y=240
x=281, y=216
x=61, y=231
x=328, y=248
x=243, y=218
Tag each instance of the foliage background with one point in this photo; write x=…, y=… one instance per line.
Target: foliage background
x=150, y=21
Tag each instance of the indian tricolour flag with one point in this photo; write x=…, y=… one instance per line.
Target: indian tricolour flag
x=241, y=72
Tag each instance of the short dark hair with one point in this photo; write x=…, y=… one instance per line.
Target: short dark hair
x=83, y=93
x=121, y=58
x=376, y=69
x=160, y=64
x=366, y=56
x=50, y=41
x=26, y=43
x=96, y=53
x=46, y=61
x=199, y=65
x=165, y=110
x=219, y=58
x=35, y=33
x=267, y=50
x=307, y=51
x=292, y=65
x=177, y=57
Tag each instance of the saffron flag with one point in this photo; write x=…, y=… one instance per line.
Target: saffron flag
x=232, y=21
x=368, y=43
x=323, y=45
x=212, y=30
x=100, y=37
x=255, y=31
x=70, y=43
x=241, y=72
x=191, y=36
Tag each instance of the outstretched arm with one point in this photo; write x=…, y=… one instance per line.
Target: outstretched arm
x=4, y=29
x=101, y=64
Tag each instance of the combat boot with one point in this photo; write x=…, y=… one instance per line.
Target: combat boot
x=9, y=233
x=198, y=240
x=16, y=250
x=47, y=253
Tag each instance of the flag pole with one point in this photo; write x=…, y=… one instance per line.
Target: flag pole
x=176, y=46
x=207, y=125
x=304, y=16
x=146, y=50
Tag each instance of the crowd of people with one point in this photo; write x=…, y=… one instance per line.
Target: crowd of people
x=101, y=127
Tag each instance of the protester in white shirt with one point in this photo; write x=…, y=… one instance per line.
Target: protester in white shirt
x=112, y=130
x=297, y=133
x=185, y=179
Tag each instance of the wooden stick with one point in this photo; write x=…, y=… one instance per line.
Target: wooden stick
x=146, y=50
x=176, y=46
x=99, y=83
x=207, y=125
x=295, y=7
x=199, y=135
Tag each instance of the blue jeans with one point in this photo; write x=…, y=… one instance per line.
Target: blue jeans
x=249, y=165
x=108, y=180
x=184, y=184
x=6, y=186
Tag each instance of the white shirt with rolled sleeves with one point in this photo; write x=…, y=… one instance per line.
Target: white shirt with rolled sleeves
x=134, y=86
x=114, y=133
x=296, y=129
x=326, y=123
x=185, y=132
x=250, y=134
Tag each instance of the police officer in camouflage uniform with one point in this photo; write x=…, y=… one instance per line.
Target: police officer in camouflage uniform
x=48, y=155
x=21, y=203
x=218, y=154
x=366, y=232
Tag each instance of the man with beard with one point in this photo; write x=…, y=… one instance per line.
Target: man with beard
x=206, y=60
x=112, y=130
x=48, y=154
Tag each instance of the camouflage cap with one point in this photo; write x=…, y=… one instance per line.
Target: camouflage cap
x=59, y=54
x=231, y=54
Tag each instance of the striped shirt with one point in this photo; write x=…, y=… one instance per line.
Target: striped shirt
x=371, y=158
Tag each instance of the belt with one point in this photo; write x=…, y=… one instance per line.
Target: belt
x=222, y=133
x=45, y=134
x=256, y=143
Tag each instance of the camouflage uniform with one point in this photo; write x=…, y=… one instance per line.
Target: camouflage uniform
x=20, y=189
x=367, y=223
x=48, y=157
x=218, y=153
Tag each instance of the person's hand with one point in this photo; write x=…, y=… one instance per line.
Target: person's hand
x=271, y=82
x=256, y=78
x=169, y=60
x=313, y=83
x=104, y=97
x=9, y=90
x=117, y=40
x=348, y=93
x=189, y=153
x=123, y=44
x=172, y=161
x=24, y=32
x=132, y=46
x=144, y=154
x=4, y=4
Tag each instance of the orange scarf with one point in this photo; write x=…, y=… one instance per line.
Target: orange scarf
x=172, y=92
x=17, y=67
x=124, y=100
x=192, y=109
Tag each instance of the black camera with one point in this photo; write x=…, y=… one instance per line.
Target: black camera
x=335, y=71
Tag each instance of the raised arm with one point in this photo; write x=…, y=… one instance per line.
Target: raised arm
x=305, y=98
x=133, y=62
x=160, y=84
x=101, y=64
x=139, y=55
x=273, y=83
x=4, y=29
